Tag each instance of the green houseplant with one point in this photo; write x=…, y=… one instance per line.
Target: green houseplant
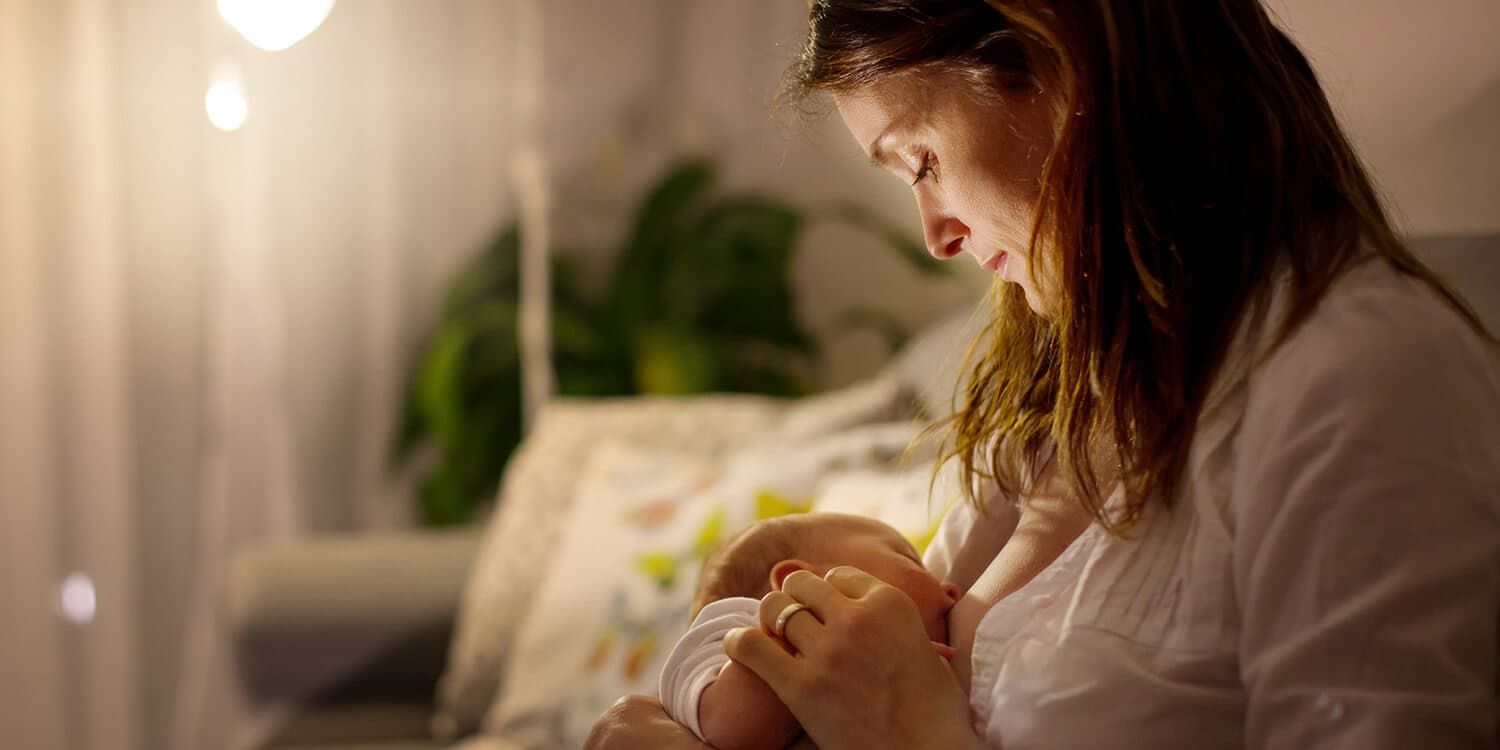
x=700, y=301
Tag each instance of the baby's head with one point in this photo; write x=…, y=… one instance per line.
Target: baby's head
x=758, y=560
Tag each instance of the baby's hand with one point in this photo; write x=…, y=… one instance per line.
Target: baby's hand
x=944, y=650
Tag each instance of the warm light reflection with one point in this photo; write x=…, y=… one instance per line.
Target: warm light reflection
x=274, y=25
x=76, y=600
x=226, y=105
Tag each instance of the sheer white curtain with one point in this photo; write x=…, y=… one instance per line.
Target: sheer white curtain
x=203, y=334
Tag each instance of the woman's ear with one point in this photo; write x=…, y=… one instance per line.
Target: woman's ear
x=781, y=570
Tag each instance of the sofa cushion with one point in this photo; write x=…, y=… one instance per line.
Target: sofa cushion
x=313, y=615
x=365, y=724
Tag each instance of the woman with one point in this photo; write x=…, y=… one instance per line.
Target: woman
x=1285, y=429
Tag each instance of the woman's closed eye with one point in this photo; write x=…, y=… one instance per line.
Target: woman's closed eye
x=928, y=165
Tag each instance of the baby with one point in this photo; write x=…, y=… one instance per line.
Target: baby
x=730, y=708
x=723, y=702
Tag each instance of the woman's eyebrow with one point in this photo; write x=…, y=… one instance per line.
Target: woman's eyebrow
x=903, y=122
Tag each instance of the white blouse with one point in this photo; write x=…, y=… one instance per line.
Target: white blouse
x=1329, y=576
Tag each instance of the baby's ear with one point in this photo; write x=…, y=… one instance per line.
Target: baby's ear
x=781, y=570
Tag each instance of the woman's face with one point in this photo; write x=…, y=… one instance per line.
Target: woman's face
x=974, y=164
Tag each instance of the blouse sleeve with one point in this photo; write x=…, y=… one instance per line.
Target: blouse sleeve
x=1367, y=546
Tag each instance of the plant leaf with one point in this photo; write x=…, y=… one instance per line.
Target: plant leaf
x=493, y=274
x=672, y=361
x=443, y=502
x=439, y=391
x=633, y=299
x=411, y=428
x=733, y=280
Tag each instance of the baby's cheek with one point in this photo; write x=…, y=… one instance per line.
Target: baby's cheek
x=938, y=629
x=935, y=616
x=927, y=595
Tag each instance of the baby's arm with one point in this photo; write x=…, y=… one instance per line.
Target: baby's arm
x=740, y=712
x=722, y=702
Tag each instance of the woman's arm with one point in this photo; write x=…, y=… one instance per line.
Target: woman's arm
x=1367, y=547
x=865, y=675
x=638, y=722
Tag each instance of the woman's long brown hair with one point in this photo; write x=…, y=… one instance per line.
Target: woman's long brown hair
x=1195, y=155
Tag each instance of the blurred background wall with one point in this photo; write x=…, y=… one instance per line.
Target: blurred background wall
x=205, y=333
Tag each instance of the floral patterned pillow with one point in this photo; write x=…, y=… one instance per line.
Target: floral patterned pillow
x=533, y=508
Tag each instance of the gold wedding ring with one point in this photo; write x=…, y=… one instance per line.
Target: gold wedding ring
x=779, y=629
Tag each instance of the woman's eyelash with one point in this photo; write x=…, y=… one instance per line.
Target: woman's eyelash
x=927, y=167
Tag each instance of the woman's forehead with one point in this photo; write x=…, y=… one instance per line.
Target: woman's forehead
x=880, y=112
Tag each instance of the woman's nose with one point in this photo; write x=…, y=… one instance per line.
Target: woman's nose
x=944, y=233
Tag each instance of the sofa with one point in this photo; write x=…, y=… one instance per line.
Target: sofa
x=364, y=641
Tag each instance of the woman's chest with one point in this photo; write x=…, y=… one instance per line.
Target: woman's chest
x=1121, y=642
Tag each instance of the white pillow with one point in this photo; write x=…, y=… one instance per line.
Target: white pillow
x=627, y=564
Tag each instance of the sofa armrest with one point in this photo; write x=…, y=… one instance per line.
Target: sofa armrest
x=307, y=614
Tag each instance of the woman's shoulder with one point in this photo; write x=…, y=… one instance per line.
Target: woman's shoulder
x=1382, y=333
x=1384, y=362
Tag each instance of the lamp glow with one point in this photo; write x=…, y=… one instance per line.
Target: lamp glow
x=274, y=25
x=76, y=599
x=226, y=105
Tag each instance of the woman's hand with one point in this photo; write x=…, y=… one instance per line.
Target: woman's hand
x=637, y=722
x=864, y=675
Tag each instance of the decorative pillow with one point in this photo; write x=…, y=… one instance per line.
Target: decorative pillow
x=534, y=500
x=627, y=563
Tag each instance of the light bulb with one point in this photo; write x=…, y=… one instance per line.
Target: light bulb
x=76, y=599
x=226, y=106
x=274, y=25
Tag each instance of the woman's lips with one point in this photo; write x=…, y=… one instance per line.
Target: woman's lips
x=996, y=262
